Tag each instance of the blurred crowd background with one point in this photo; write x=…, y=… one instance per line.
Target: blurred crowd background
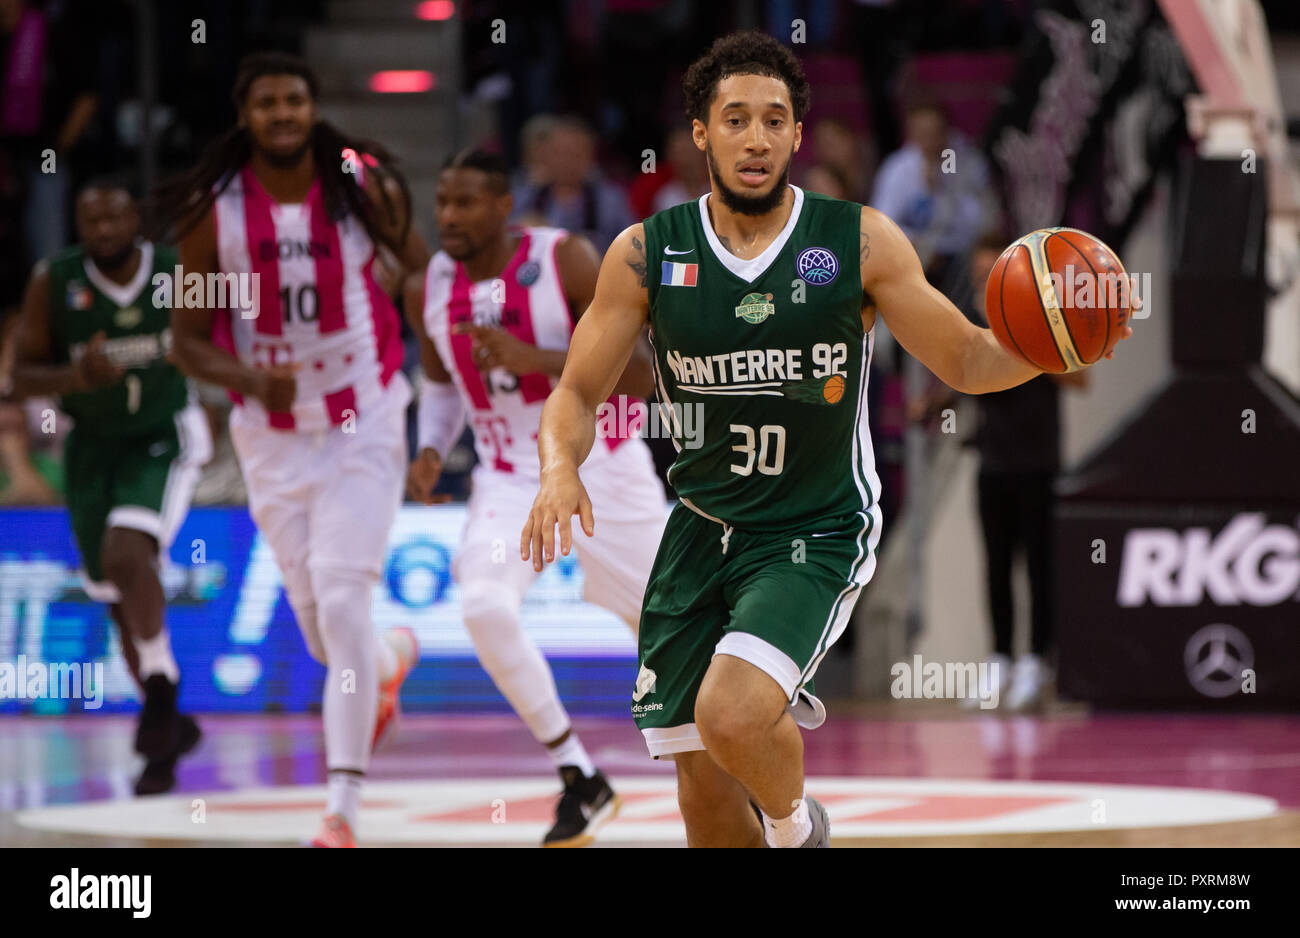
x=579, y=97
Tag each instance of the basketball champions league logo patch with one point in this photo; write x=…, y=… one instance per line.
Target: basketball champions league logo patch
x=528, y=273
x=817, y=266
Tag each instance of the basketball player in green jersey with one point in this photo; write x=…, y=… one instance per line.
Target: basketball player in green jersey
x=91, y=334
x=761, y=300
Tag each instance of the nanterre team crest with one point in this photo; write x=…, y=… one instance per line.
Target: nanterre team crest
x=128, y=317
x=755, y=307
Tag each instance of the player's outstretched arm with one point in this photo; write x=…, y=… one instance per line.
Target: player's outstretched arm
x=961, y=355
x=35, y=371
x=602, y=343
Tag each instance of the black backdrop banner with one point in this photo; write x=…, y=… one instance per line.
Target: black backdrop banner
x=1091, y=116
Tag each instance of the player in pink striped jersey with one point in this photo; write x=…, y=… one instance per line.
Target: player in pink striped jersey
x=494, y=313
x=314, y=370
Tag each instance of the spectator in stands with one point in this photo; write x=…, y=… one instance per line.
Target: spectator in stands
x=842, y=153
x=532, y=173
x=574, y=195
x=827, y=180
x=937, y=189
x=637, y=42
x=879, y=37
x=681, y=174
x=47, y=73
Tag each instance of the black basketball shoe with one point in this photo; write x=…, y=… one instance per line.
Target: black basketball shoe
x=586, y=806
x=159, y=774
x=158, y=733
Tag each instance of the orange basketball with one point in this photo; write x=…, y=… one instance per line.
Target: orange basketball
x=833, y=389
x=1058, y=298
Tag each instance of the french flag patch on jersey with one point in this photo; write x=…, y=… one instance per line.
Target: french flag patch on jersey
x=679, y=275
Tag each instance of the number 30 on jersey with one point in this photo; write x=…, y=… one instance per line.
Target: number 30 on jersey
x=770, y=457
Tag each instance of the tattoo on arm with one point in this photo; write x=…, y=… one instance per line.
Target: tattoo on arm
x=636, y=260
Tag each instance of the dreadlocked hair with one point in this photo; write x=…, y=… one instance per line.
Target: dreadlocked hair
x=177, y=204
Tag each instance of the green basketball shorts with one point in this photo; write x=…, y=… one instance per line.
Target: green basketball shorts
x=778, y=601
x=143, y=483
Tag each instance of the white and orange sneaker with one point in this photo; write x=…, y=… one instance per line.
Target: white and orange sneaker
x=334, y=832
x=407, y=648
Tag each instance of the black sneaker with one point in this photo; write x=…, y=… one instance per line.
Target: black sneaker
x=586, y=806
x=159, y=774
x=158, y=734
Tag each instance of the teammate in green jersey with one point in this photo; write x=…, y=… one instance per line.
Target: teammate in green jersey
x=91, y=334
x=761, y=301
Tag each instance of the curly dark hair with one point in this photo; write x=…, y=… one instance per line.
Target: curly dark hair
x=178, y=204
x=744, y=53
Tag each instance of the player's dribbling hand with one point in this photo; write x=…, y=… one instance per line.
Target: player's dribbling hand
x=277, y=387
x=1128, y=330
x=561, y=497
x=96, y=369
x=423, y=477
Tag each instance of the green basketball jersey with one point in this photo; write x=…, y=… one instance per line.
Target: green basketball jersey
x=137, y=337
x=763, y=365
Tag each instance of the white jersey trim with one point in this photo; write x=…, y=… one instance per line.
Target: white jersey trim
x=753, y=268
x=123, y=293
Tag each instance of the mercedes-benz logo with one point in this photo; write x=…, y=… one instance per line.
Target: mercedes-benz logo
x=1214, y=658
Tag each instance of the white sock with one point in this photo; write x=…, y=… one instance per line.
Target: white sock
x=386, y=657
x=572, y=752
x=789, y=831
x=155, y=656
x=344, y=797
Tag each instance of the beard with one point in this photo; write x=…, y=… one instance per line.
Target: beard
x=467, y=249
x=111, y=262
x=740, y=202
x=292, y=158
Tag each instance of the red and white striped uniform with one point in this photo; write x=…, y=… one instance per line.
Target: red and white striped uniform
x=317, y=304
x=527, y=300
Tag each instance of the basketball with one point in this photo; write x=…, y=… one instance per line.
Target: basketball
x=833, y=389
x=1058, y=298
